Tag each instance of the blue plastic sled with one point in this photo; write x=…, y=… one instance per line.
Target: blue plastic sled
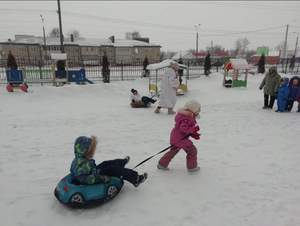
x=78, y=76
x=81, y=196
x=14, y=77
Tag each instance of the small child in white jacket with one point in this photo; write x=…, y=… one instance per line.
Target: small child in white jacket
x=136, y=97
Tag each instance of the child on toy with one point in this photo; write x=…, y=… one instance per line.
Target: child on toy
x=282, y=95
x=136, y=98
x=185, y=126
x=85, y=171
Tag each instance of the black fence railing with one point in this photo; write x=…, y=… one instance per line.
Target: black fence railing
x=42, y=72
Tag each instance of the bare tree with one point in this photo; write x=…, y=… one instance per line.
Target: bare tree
x=54, y=33
x=75, y=33
x=241, y=46
x=132, y=35
x=216, y=48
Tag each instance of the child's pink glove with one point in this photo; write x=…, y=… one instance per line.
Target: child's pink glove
x=195, y=133
x=196, y=136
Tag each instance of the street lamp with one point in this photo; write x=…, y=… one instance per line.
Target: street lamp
x=197, y=37
x=44, y=35
x=60, y=27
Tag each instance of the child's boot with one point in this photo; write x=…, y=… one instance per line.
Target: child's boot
x=194, y=169
x=162, y=167
x=127, y=158
x=141, y=179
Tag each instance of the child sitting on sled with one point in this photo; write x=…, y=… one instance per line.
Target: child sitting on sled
x=185, y=126
x=85, y=171
x=138, y=101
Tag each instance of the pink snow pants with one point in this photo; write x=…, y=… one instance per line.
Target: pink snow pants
x=191, y=157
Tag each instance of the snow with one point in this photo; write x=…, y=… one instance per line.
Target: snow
x=164, y=64
x=249, y=157
x=240, y=64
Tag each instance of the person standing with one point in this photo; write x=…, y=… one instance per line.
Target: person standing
x=261, y=64
x=169, y=85
x=292, y=63
x=105, y=69
x=11, y=61
x=145, y=64
x=207, y=64
x=270, y=83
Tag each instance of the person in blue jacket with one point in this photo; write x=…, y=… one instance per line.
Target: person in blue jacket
x=85, y=171
x=282, y=95
x=294, y=86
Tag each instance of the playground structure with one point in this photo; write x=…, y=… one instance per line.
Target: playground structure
x=236, y=73
x=64, y=75
x=157, y=68
x=15, y=80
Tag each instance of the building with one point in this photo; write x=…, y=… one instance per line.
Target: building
x=31, y=50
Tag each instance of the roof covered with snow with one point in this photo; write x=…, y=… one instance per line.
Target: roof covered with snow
x=239, y=64
x=164, y=64
x=30, y=39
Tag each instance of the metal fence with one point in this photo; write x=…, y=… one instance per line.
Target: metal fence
x=43, y=73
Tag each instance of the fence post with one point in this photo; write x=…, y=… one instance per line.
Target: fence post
x=122, y=78
x=40, y=69
x=188, y=71
x=40, y=65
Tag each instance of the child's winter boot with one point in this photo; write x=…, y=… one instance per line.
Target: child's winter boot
x=141, y=179
x=194, y=169
x=162, y=167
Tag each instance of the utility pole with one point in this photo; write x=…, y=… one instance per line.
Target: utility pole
x=60, y=28
x=296, y=46
x=285, y=46
x=44, y=35
x=197, y=38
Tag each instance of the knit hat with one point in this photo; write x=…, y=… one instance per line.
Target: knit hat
x=193, y=105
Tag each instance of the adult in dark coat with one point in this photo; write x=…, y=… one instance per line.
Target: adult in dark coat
x=61, y=69
x=105, y=69
x=11, y=61
x=261, y=64
x=270, y=83
x=292, y=63
x=207, y=65
x=145, y=64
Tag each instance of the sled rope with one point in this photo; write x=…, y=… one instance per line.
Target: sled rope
x=167, y=148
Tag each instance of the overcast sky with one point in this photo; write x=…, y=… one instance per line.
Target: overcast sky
x=170, y=24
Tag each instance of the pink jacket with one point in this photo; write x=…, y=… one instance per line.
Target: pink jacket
x=185, y=123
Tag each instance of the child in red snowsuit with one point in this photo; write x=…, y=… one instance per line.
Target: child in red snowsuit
x=185, y=126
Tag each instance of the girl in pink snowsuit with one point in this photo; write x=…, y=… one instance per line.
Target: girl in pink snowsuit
x=185, y=126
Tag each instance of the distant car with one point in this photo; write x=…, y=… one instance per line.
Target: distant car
x=75, y=195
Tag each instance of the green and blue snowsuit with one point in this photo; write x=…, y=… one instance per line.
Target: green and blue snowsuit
x=82, y=169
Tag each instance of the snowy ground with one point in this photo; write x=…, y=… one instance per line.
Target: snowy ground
x=249, y=157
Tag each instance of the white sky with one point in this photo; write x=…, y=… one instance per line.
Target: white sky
x=168, y=23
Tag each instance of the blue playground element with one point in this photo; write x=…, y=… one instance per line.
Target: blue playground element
x=77, y=76
x=75, y=195
x=14, y=77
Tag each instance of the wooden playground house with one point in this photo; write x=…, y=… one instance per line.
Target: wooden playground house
x=157, y=70
x=236, y=73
